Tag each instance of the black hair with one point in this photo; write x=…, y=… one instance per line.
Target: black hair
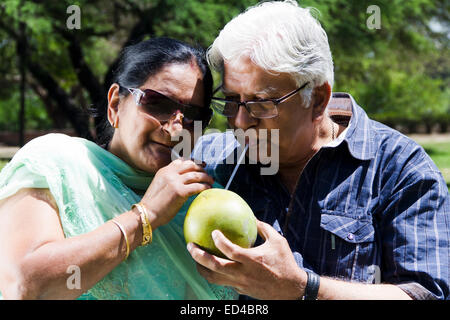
x=140, y=61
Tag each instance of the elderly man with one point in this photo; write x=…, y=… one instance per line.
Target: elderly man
x=356, y=210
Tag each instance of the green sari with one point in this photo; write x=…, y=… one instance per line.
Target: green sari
x=91, y=186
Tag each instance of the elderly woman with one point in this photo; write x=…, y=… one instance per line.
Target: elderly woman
x=81, y=220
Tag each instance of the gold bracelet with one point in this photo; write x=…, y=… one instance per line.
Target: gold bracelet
x=147, y=234
x=125, y=236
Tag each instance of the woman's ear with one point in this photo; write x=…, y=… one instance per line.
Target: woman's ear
x=320, y=97
x=113, y=104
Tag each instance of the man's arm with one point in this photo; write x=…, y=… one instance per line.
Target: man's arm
x=415, y=229
x=331, y=289
x=269, y=271
x=415, y=232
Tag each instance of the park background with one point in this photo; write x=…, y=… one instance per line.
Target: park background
x=51, y=73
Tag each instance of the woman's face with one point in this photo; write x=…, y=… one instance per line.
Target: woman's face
x=140, y=139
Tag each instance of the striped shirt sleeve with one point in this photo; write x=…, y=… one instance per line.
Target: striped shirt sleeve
x=415, y=226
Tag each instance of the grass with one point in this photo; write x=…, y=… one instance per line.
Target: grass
x=440, y=153
x=3, y=163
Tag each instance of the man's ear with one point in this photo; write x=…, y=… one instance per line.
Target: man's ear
x=113, y=103
x=320, y=97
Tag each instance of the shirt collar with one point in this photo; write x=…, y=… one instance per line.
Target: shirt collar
x=359, y=134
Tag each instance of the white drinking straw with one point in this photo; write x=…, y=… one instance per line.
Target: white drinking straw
x=175, y=154
x=237, y=166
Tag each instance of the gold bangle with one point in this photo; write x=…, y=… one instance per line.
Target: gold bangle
x=147, y=234
x=125, y=236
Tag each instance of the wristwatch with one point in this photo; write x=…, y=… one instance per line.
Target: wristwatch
x=312, y=286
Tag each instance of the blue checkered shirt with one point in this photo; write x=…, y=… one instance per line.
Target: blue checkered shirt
x=372, y=207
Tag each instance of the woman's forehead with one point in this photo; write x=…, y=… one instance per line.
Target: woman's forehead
x=181, y=81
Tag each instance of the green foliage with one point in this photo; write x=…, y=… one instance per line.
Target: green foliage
x=36, y=116
x=200, y=21
x=399, y=73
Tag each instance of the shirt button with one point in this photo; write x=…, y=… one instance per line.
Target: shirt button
x=350, y=236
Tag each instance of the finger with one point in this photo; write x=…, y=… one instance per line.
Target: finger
x=189, y=165
x=210, y=261
x=240, y=291
x=228, y=248
x=265, y=230
x=196, y=176
x=199, y=162
x=195, y=188
x=220, y=279
x=215, y=277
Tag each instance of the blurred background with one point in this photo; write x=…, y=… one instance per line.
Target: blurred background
x=56, y=60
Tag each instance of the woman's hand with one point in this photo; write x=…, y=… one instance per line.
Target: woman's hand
x=171, y=187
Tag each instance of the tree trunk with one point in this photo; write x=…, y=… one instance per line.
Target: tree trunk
x=78, y=120
x=59, y=119
x=21, y=52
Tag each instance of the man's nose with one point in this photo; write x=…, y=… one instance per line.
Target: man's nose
x=243, y=119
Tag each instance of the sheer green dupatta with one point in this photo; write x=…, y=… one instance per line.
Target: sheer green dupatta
x=91, y=186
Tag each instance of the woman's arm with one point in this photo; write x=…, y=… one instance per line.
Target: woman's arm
x=35, y=256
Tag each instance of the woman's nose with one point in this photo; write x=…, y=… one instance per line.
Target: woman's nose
x=175, y=124
x=178, y=116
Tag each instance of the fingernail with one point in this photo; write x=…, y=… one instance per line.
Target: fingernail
x=215, y=234
x=189, y=246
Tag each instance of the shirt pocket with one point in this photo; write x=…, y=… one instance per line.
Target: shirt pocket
x=349, y=245
x=355, y=229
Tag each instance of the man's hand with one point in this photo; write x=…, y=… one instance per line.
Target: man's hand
x=268, y=271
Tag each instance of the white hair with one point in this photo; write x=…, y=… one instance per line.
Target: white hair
x=280, y=37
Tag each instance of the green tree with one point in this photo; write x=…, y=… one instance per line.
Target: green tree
x=398, y=73
x=69, y=70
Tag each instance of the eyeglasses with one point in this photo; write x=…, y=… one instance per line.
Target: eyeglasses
x=164, y=108
x=261, y=109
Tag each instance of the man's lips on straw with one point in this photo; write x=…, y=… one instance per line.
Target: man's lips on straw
x=252, y=141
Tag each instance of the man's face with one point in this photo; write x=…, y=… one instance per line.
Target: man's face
x=244, y=81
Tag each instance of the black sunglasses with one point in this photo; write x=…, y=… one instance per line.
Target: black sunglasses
x=164, y=108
